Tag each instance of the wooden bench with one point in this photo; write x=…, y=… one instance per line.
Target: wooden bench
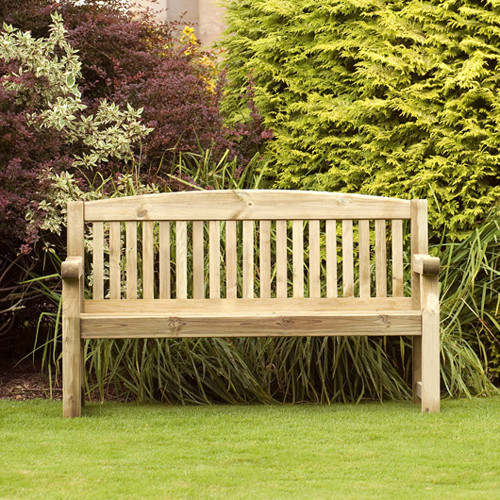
x=250, y=263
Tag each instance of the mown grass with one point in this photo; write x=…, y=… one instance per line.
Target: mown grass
x=370, y=450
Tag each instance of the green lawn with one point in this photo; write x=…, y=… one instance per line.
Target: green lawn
x=370, y=450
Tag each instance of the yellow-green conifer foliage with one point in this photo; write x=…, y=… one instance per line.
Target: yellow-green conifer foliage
x=395, y=98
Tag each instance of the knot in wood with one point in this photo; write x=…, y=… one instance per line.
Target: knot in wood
x=175, y=325
x=385, y=320
x=344, y=202
x=142, y=212
x=285, y=322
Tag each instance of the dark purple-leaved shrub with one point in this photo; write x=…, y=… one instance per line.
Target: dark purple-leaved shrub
x=25, y=154
x=131, y=59
x=127, y=59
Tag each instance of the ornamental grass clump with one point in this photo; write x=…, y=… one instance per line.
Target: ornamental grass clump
x=314, y=369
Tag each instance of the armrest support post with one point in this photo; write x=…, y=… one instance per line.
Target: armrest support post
x=429, y=287
x=72, y=297
x=72, y=268
x=426, y=265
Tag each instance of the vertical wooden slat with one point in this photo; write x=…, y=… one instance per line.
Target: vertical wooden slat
x=181, y=259
x=364, y=258
x=265, y=259
x=147, y=260
x=419, y=244
x=298, y=258
x=98, y=259
x=231, y=279
x=114, y=260
x=347, y=258
x=131, y=258
x=397, y=258
x=214, y=258
x=331, y=258
x=314, y=260
x=164, y=259
x=380, y=258
x=198, y=261
x=281, y=259
x=248, y=261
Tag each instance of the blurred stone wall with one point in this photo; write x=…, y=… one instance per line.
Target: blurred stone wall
x=206, y=16
x=210, y=20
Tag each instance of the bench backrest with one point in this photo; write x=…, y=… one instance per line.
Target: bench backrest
x=244, y=243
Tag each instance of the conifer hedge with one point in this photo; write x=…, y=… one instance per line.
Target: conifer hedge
x=395, y=98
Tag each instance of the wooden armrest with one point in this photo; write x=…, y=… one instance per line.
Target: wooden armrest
x=426, y=265
x=72, y=268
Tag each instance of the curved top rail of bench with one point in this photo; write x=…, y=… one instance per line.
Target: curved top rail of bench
x=246, y=205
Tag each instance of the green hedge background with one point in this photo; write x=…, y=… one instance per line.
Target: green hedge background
x=392, y=98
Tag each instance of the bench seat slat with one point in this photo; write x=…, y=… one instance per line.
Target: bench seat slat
x=293, y=323
x=220, y=306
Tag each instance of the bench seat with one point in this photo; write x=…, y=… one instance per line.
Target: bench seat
x=250, y=263
x=240, y=317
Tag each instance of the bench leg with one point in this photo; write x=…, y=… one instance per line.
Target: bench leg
x=72, y=365
x=430, y=352
x=82, y=373
x=416, y=355
x=72, y=369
